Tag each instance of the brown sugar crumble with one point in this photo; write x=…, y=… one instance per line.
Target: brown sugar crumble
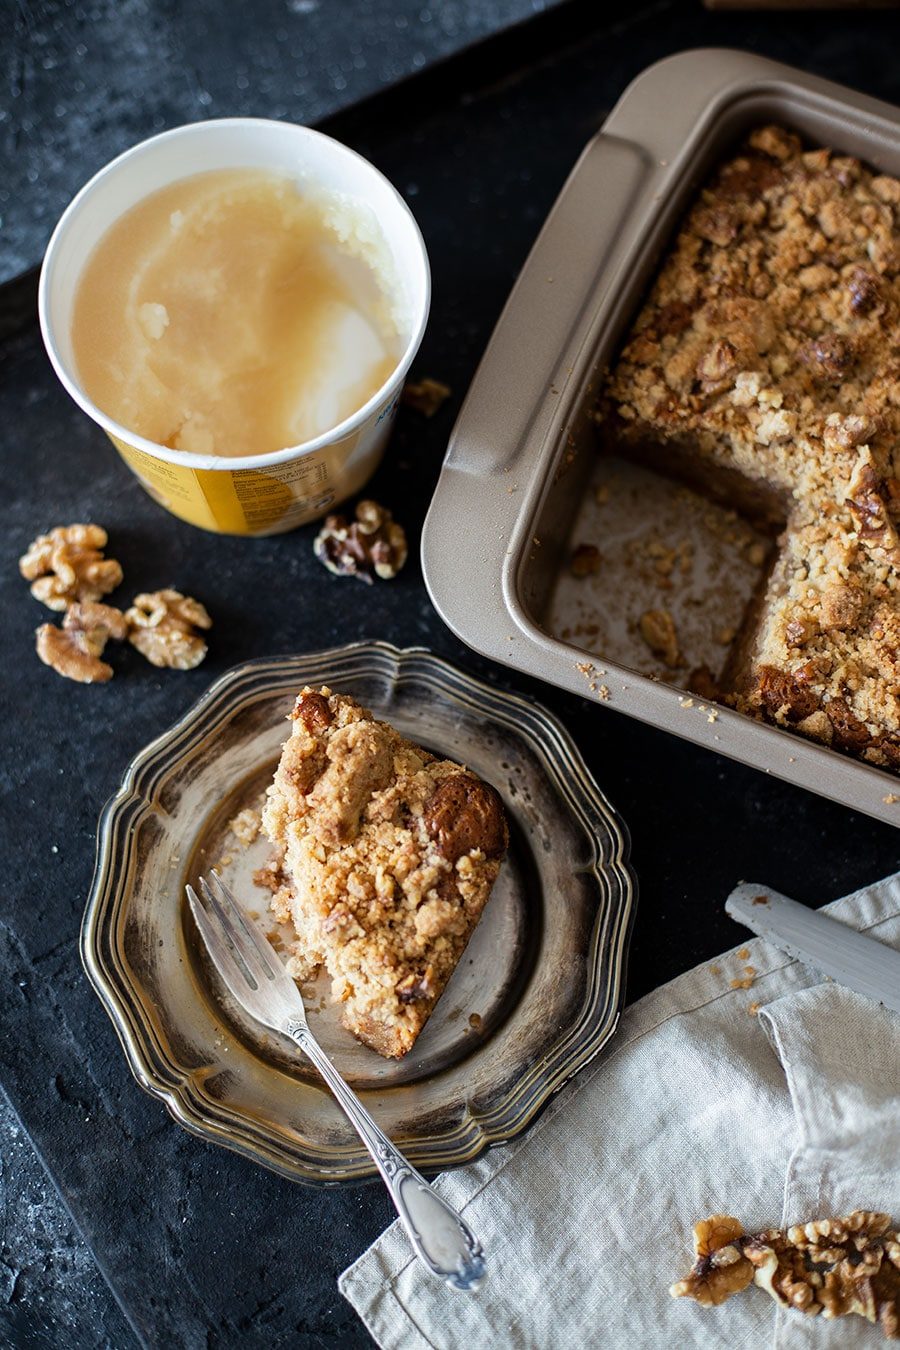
x=759, y=371
x=386, y=855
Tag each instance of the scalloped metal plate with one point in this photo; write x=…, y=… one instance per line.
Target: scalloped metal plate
x=535, y=997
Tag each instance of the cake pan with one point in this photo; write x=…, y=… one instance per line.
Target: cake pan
x=524, y=446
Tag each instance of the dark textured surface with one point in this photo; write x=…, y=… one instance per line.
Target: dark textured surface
x=202, y=1247
x=51, y=1292
x=85, y=79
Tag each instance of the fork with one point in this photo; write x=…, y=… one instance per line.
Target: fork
x=257, y=978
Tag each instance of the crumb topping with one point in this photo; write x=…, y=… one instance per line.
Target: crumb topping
x=769, y=346
x=387, y=859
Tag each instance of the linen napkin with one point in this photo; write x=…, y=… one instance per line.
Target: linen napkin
x=777, y=1103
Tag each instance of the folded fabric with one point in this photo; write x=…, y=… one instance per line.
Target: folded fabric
x=776, y=1103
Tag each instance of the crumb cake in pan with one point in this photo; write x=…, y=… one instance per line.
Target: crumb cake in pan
x=386, y=857
x=764, y=368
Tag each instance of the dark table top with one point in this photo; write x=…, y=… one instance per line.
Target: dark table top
x=84, y=81
x=200, y=1246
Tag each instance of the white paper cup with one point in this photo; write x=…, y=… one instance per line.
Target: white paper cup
x=252, y=494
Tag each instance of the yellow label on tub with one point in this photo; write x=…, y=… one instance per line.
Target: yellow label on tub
x=271, y=499
x=236, y=501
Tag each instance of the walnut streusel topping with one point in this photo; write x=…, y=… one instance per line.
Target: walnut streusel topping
x=769, y=349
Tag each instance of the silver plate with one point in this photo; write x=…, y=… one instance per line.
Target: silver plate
x=537, y=992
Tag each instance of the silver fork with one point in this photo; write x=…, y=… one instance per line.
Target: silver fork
x=257, y=978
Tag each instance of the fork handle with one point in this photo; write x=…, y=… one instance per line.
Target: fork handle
x=440, y=1238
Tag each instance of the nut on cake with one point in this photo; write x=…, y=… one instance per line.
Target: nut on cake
x=388, y=856
x=764, y=368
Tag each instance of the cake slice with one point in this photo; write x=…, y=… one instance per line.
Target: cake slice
x=388, y=856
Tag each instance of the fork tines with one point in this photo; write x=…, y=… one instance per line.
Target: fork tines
x=230, y=935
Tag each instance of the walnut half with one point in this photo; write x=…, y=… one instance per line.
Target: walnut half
x=720, y=1268
x=74, y=650
x=162, y=625
x=372, y=545
x=68, y=565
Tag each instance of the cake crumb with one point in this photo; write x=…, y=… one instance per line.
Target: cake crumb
x=426, y=396
x=744, y=954
x=245, y=826
x=890, y=798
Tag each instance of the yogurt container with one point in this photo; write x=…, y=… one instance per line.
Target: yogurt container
x=264, y=493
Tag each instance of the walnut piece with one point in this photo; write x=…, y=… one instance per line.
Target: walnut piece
x=867, y=497
x=426, y=395
x=720, y=1268
x=835, y=1267
x=657, y=628
x=465, y=814
x=74, y=650
x=68, y=565
x=162, y=626
x=372, y=545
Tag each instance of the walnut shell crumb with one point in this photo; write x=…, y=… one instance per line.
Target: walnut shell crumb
x=585, y=560
x=657, y=628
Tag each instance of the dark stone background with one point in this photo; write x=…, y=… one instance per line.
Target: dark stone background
x=201, y=1247
x=85, y=79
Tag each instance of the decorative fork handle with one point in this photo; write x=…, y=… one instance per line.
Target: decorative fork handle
x=439, y=1236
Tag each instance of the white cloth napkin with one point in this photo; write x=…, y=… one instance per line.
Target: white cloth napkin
x=698, y=1106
